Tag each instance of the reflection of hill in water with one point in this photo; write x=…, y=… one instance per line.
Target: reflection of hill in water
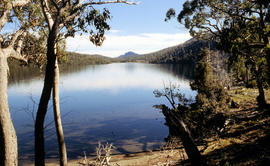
x=20, y=73
x=27, y=73
x=183, y=71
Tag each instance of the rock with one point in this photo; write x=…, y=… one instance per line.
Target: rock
x=234, y=104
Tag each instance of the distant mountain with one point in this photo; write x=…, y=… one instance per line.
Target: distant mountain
x=128, y=54
x=185, y=53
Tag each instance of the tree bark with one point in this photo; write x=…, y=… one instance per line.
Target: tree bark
x=57, y=118
x=43, y=103
x=268, y=64
x=172, y=118
x=247, y=75
x=261, y=98
x=8, y=138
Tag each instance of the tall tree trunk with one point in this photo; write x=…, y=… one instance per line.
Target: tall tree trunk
x=43, y=103
x=8, y=138
x=268, y=64
x=247, y=75
x=172, y=118
x=261, y=98
x=57, y=118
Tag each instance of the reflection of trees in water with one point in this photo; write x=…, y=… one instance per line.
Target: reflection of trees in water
x=130, y=67
x=27, y=73
x=19, y=72
x=182, y=71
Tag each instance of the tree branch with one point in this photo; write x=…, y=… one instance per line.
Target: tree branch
x=4, y=18
x=15, y=37
x=20, y=42
x=18, y=3
x=16, y=54
x=79, y=6
x=55, y=5
x=171, y=94
x=108, y=2
x=46, y=12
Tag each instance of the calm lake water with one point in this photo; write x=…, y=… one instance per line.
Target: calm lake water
x=107, y=103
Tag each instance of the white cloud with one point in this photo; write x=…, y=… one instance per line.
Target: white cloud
x=116, y=45
x=114, y=31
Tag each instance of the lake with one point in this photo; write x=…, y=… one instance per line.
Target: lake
x=107, y=103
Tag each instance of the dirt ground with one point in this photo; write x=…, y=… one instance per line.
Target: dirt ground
x=160, y=157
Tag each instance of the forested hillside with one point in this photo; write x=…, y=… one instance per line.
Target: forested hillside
x=84, y=59
x=182, y=53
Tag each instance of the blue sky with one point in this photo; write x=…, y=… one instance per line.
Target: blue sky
x=140, y=28
x=146, y=17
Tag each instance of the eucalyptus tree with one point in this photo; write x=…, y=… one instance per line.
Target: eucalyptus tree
x=19, y=13
x=64, y=19
x=241, y=27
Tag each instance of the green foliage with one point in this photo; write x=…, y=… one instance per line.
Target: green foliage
x=240, y=69
x=211, y=95
x=27, y=16
x=206, y=115
x=201, y=117
x=91, y=21
x=241, y=28
x=35, y=47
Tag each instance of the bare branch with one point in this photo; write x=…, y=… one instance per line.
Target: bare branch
x=79, y=6
x=169, y=98
x=171, y=94
x=109, y=2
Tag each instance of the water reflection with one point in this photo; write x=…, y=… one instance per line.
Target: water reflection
x=109, y=103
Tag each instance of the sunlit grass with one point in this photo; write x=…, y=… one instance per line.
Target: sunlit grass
x=245, y=140
x=244, y=95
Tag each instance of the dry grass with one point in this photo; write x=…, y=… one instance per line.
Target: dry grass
x=103, y=156
x=246, y=140
x=246, y=96
x=169, y=154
